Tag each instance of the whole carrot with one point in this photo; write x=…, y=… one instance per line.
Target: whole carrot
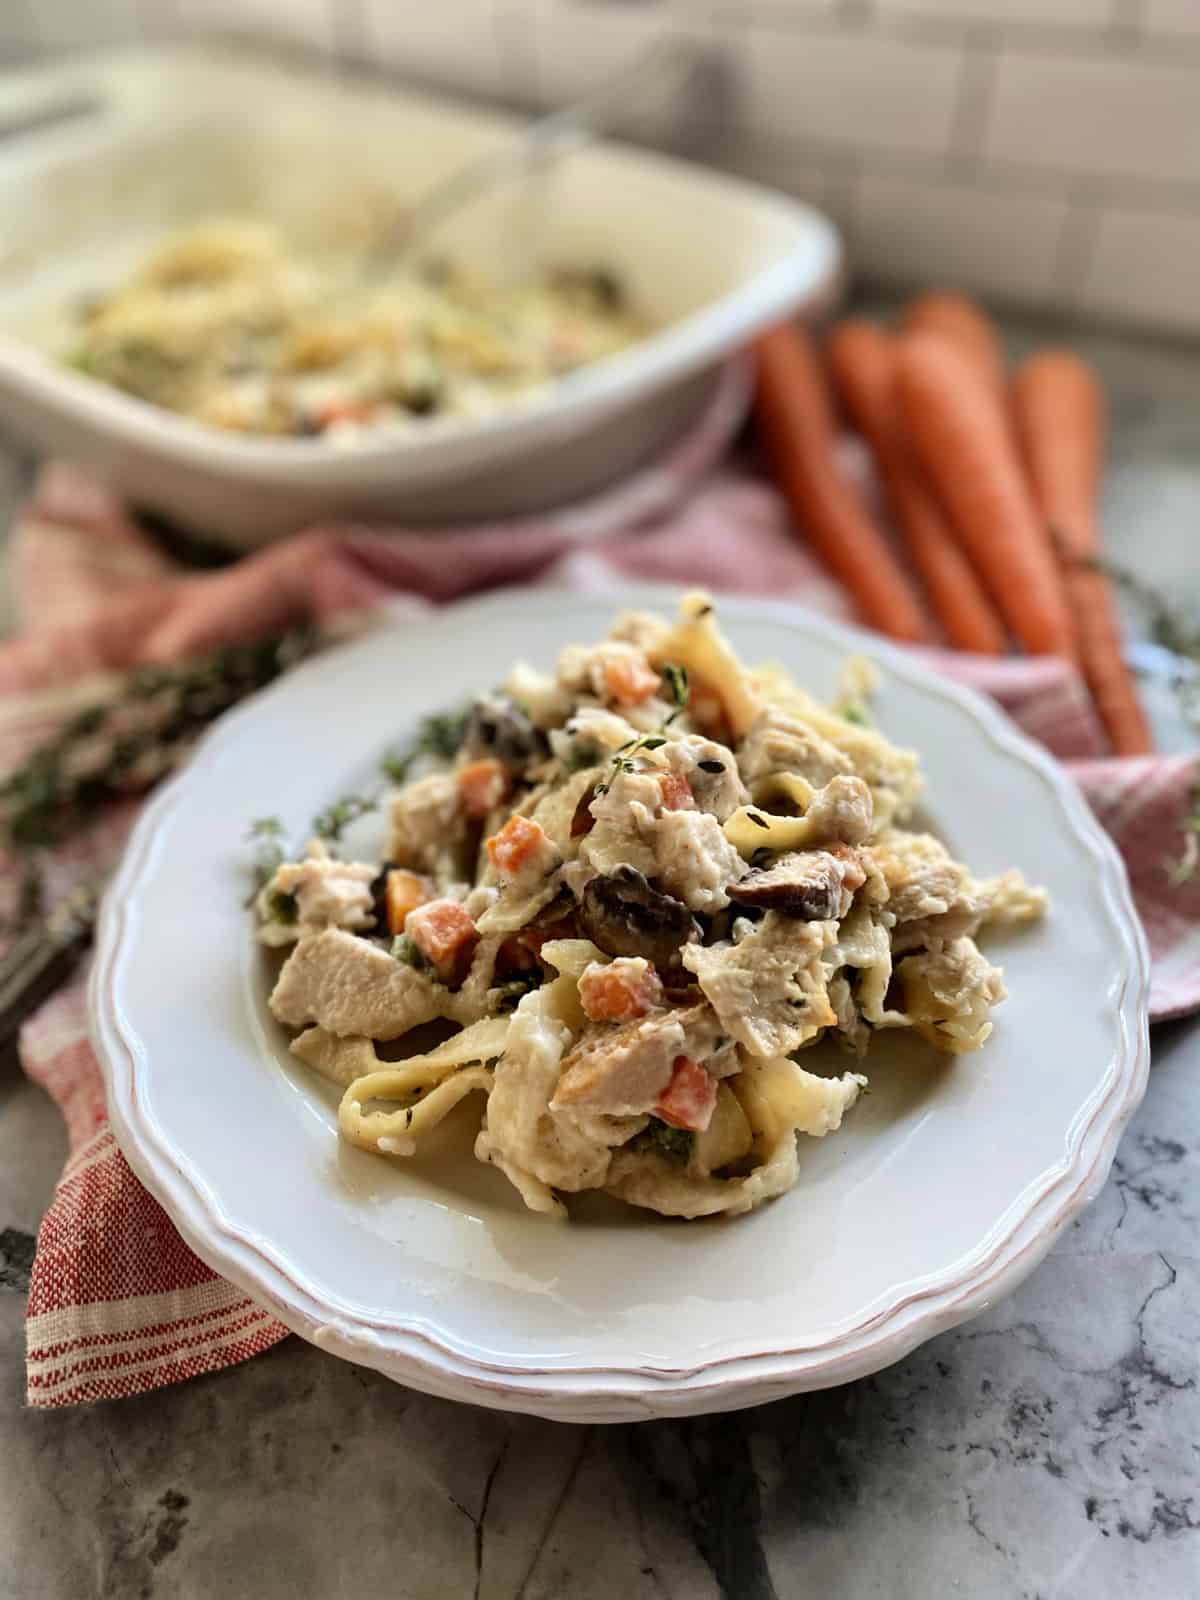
x=862, y=361
x=959, y=319
x=795, y=423
x=1058, y=412
x=959, y=432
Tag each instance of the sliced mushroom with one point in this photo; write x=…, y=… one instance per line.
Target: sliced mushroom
x=496, y=726
x=625, y=916
x=813, y=885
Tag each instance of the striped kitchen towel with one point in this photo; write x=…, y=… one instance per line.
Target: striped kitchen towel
x=118, y=1304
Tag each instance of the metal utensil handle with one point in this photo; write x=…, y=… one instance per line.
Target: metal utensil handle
x=543, y=141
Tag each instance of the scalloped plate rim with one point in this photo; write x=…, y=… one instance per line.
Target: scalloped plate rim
x=414, y=1352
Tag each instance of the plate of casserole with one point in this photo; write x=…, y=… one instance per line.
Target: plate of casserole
x=609, y=1008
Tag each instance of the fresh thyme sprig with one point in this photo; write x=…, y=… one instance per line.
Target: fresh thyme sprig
x=266, y=834
x=676, y=679
x=331, y=823
x=124, y=744
x=624, y=757
x=439, y=736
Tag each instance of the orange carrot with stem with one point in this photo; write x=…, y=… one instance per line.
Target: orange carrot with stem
x=966, y=325
x=960, y=434
x=796, y=425
x=1058, y=411
x=862, y=361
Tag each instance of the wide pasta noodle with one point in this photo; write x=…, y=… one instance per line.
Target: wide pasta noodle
x=434, y=1082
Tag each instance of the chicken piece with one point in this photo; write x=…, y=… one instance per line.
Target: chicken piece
x=303, y=897
x=622, y=831
x=640, y=628
x=778, y=742
x=685, y=850
x=347, y=986
x=620, y=990
x=591, y=737
x=710, y=772
x=922, y=877
x=615, y=671
x=1008, y=901
x=770, y=989
x=340, y=1061
x=840, y=813
x=556, y=812
x=694, y=861
x=429, y=829
x=571, y=1150
x=624, y=1071
x=948, y=992
x=814, y=885
x=546, y=703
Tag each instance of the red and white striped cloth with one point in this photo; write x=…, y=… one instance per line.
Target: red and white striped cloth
x=118, y=1304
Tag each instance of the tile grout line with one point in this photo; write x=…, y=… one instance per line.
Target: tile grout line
x=1076, y=247
x=972, y=110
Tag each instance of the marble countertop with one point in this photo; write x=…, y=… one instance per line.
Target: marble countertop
x=1050, y=1448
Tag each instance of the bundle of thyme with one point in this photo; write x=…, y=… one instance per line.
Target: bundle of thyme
x=125, y=744
x=118, y=747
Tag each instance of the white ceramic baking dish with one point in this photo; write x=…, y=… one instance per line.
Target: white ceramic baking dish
x=98, y=158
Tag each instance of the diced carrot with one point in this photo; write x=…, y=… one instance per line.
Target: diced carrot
x=345, y=411
x=620, y=991
x=445, y=935
x=689, y=1098
x=676, y=792
x=629, y=680
x=482, y=785
x=405, y=892
x=518, y=840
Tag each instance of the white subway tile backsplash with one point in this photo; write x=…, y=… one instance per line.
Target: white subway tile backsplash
x=1080, y=13
x=1115, y=118
x=1029, y=149
x=457, y=44
x=851, y=89
x=1145, y=265
x=1171, y=17
x=769, y=165
x=953, y=235
x=578, y=45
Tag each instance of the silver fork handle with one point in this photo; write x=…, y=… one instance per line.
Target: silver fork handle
x=547, y=139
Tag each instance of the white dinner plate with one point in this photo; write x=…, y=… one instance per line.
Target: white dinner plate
x=945, y=1186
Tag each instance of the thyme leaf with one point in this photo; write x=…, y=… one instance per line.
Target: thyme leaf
x=336, y=818
x=675, y=678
